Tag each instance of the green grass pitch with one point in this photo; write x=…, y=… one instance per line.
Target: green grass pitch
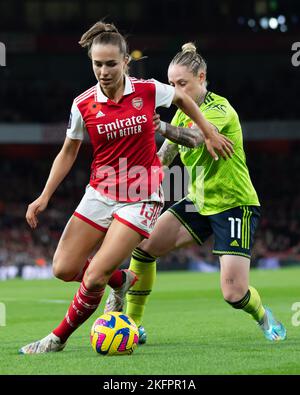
x=191, y=330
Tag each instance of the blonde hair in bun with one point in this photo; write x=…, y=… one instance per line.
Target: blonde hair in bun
x=189, y=47
x=189, y=57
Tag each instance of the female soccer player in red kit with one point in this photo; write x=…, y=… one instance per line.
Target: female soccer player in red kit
x=124, y=197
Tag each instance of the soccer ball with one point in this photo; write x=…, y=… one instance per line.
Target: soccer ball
x=114, y=334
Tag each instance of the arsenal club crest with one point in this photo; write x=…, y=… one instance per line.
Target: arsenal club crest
x=137, y=103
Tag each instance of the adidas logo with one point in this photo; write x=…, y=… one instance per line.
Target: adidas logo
x=144, y=222
x=100, y=114
x=234, y=243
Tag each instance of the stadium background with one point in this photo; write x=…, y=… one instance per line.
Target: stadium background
x=247, y=46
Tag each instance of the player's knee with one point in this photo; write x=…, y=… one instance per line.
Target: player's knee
x=234, y=295
x=93, y=280
x=63, y=275
x=60, y=271
x=152, y=248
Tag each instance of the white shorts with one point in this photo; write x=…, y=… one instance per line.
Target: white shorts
x=99, y=211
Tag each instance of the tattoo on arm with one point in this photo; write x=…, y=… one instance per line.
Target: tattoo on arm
x=189, y=137
x=167, y=153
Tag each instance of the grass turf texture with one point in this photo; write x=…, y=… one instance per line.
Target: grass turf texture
x=191, y=330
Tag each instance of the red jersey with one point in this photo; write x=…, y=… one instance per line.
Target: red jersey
x=125, y=164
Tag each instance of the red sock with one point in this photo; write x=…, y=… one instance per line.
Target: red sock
x=85, y=302
x=116, y=280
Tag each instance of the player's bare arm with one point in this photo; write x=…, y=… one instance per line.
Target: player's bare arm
x=167, y=153
x=189, y=137
x=61, y=166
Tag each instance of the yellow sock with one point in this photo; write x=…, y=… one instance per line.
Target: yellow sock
x=144, y=265
x=251, y=304
x=254, y=306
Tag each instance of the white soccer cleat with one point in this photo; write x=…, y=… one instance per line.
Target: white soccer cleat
x=50, y=343
x=116, y=298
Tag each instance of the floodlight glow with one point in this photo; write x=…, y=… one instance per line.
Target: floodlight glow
x=251, y=23
x=283, y=28
x=273, y=23
x=264, y=23
x=281, y=19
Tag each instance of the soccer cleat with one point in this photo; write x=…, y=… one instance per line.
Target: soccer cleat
x=50, y=343
x=116, y=298
x=272, y=329
x=142, y=335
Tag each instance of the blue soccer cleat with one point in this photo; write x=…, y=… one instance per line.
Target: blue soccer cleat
x=272, y=329
x=142, y=335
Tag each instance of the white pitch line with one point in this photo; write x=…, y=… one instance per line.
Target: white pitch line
x=34, y=300
x=53, y=301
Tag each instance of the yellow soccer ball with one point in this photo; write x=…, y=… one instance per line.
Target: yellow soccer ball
x=114, y=333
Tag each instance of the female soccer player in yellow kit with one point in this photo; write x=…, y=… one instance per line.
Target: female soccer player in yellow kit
x=221, y=201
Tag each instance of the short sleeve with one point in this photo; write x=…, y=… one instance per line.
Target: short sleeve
x=76, y=126
x=164, y=94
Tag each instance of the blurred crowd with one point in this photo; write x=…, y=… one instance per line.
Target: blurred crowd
x=56, y=107
x=21, y=181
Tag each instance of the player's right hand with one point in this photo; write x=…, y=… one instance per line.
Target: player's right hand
x=34, y=209
x=156, y=122
x=221, y=144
